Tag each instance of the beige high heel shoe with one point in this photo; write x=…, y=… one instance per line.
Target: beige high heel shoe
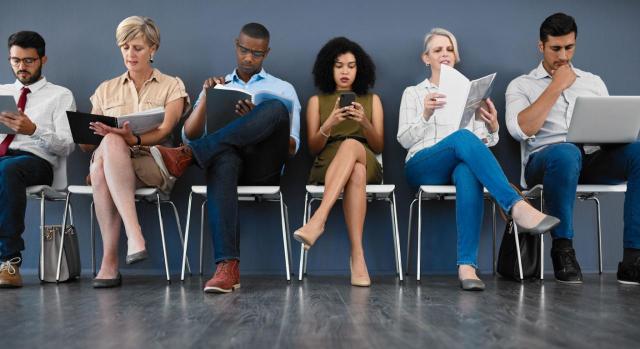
x=306, y=239
x=360, y=281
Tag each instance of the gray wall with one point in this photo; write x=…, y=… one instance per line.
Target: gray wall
x=197, y=42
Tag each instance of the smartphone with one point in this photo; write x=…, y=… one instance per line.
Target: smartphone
x=346, y=98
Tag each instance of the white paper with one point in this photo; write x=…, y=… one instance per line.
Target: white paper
x=455, y=87
x=463, y=96
x=144, y=121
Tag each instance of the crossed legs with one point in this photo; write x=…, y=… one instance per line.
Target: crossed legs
x=114, y=181
x=347, y=172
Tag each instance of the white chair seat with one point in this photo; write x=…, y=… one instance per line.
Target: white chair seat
x=258, y=193
x=383, y=192
x=437, y=192
x=49, y=193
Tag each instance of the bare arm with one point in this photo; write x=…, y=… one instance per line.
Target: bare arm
x=317, y=134
x=374, y=130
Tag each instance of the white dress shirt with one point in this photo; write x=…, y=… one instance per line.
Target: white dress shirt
x=47, y=107
x=526, y=89
x=416, y=133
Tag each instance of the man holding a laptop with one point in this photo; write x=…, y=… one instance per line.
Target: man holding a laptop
x=34, y=131
x=250, y=150
x=539, y=111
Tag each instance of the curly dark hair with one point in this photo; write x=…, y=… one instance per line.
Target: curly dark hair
x=323, y=67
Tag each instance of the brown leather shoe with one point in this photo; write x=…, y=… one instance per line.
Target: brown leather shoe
x=10, y=273
x=226, y=278
x=172, y=161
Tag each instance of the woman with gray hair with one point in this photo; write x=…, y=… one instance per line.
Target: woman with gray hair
x=122, y=162
x=439, y=154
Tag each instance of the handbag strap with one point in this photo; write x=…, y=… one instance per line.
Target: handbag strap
x=505, y=215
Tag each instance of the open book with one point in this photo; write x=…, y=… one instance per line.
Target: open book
x=463, y=96
x=222, y=100
x=140, y=122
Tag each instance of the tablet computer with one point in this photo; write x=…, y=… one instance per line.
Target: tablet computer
x=7, y=103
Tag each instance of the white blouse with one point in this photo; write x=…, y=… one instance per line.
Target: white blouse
x=416, y=133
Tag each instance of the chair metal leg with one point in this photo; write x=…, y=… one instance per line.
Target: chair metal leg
x=597, y=201
x=93, y=239
x=409, y=235
x=286, y=218
x=303, y=257
x=419, y=243
x=64, y=226
x=185, y=245
x=396, y=238
x=164, y=243
x=542, y=239
x=175, y=213
x=202, y=233
x=284, y=238
x=517, y=240
x=494, y=237
x=42, y=218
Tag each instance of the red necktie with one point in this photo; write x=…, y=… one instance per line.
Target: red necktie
x=22, y=102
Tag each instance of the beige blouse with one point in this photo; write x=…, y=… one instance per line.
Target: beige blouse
x=118, y=96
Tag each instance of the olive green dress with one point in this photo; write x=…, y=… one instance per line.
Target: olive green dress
x=340, y=132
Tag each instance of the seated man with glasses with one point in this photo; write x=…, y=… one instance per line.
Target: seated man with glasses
x=42, y=134
x=251, y=150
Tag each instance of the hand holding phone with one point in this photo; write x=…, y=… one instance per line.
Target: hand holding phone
x=346, y=98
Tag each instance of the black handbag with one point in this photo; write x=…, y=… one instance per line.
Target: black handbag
x=70, y=265
x=529, y=252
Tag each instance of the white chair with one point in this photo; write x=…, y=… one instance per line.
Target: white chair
x=377, y=192
x=245, y=193
x=148, y=194
x=584, y=192
x=54, y=192
x=440, y=192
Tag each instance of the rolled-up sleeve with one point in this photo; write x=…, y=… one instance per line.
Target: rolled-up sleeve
x=58, y=139
x=516, y=100
x=411, y=123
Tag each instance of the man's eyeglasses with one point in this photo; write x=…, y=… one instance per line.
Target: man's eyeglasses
x=15, y=61
x=243, y=50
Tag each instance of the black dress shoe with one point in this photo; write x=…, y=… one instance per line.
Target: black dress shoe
x=107, y=283
x=137, y=257
x=565, y=265
x=629, y=273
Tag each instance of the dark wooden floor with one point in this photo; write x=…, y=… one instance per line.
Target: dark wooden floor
x=322, y=312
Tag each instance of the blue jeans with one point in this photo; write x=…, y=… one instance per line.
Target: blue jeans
x=560, y=167
x=18, y=170
x=462, y=159
x=250, y=151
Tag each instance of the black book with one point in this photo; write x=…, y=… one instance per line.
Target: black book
x=79, y=123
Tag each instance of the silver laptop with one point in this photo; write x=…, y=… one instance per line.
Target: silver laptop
x=610, y=119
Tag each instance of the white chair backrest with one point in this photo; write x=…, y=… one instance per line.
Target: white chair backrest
x=523, y=182
x=60, y=174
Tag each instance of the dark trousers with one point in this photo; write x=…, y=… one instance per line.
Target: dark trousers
x=18, y=170
x=560, y=167
x=249, y=151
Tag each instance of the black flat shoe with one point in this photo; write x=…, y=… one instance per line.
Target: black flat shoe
x=137, y=257
x=546, y=224
x=472, y=285
x=107, y=283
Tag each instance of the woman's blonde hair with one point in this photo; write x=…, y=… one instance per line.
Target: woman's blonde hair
x=442, y=32
x=132, y=27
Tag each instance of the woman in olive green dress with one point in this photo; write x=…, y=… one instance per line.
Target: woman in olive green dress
x=345, y=141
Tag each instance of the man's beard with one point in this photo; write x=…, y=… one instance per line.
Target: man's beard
x=32, y=78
